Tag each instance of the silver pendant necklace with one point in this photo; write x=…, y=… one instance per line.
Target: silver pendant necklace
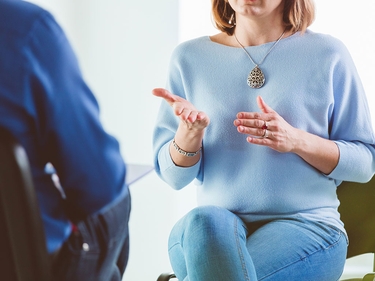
x=256, y=78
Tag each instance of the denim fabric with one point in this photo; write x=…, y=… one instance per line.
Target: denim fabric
x=211, y=243
x=98, y=248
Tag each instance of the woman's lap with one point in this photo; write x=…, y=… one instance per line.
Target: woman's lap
x=297, y=250
x=211, y=243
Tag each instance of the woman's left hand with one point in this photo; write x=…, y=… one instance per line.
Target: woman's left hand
x=267, y=128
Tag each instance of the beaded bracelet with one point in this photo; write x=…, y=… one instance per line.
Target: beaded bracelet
x=183, y=152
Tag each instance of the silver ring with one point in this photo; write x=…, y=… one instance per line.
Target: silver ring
x=265, y=135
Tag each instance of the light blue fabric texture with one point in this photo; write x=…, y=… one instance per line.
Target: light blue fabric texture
x=212, y=244
x=312, y=82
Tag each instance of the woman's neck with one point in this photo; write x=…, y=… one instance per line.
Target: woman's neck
x=251, y=33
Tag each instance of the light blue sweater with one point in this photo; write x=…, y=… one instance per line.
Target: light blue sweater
x=312, y=83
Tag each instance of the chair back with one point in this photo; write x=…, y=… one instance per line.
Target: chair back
x=23, y=254
x=357, y=210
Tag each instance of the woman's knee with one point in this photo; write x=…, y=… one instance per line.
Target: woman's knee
x=208, y=218
x=207, y=223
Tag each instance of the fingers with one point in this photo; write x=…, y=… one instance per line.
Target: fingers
x=266, y=113
x=254, y=115
x=252, y=123
x=266, y=141
x=256, y=120
x=263, y=106
x=189, y=115
x=182, y=108
x=179, y=105
x=254, y=131
x=193, y=116
x=254, y=127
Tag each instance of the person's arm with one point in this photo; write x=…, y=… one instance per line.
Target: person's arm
x=71, y=136
x=190, y=132
x=178, y=120
x=348, y=152
x=320, y=153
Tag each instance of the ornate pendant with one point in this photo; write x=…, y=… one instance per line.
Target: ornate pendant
x=256, y=78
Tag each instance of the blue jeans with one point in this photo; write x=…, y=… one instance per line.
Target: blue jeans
x=211, y=243
x=98, y=248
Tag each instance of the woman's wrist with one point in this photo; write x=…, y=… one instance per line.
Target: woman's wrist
x=184, y=152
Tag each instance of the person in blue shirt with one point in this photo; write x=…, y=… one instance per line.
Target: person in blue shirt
x=48, y=107
x=267, y=118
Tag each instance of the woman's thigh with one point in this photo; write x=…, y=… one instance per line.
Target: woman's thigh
x=209, y=243
x=297, y=250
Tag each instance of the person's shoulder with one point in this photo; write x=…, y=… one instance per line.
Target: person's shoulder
x=192, y=45
x=19, y=8
x=19, y=16
x=324, y=41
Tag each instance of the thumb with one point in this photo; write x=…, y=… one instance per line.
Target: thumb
x=263, y=106
x=163, y=93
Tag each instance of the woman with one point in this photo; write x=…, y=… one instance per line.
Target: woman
x=268, y=117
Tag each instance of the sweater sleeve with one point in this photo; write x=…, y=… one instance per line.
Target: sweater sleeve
x=66, y=114
x=166, y=125
x=350, y=125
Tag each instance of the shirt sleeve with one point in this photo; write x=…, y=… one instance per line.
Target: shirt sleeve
x=66, y=117
x=165, y=129
x=351, y=126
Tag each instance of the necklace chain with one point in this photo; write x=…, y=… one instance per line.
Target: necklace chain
x=269, y=51
x=256, y=77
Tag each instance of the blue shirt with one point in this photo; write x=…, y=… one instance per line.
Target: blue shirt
x=47, y=105
x=311, y=81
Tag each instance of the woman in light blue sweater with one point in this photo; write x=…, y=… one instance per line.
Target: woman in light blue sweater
x=268, y=118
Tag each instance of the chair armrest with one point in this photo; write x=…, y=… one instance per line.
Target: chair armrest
x=166, y=276
x=369, y=277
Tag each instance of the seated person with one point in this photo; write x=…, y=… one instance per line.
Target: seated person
x=48, y=107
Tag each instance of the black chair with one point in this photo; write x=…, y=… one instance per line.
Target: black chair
x=23, y=254
x=166, y=276
x=357, y=210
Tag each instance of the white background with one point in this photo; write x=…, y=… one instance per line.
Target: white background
x=124, y=47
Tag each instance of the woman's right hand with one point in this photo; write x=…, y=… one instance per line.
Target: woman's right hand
x=188, y=114
x=190, y=132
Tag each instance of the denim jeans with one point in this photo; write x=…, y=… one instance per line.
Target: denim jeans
x=211, y=243
x=98, y=248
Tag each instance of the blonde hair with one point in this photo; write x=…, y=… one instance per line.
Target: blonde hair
x=298, y=15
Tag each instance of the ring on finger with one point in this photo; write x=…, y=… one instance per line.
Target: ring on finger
x=265, y=134
x=265, y=125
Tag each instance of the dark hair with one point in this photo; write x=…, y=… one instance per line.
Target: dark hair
x=298, y=15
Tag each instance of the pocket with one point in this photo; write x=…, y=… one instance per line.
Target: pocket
x=95, y=242
x=330, y=235
x=76, y=259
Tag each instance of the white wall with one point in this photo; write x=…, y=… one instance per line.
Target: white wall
x=353, y=23
x=124, y=48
